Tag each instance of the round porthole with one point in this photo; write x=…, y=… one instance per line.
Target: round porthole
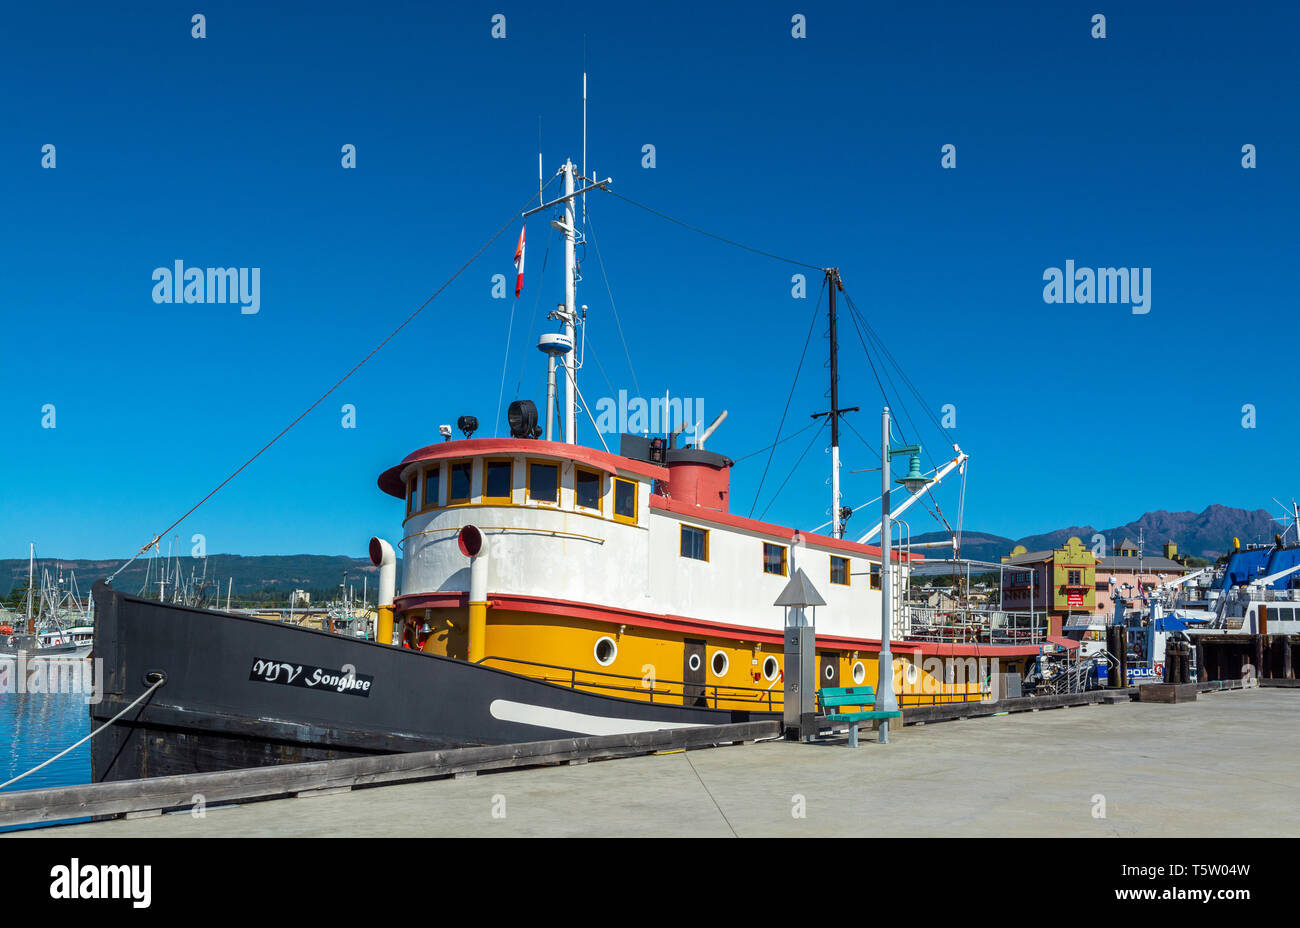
x=911, y=673
x=719, y=664
x=693, y=662
x=829, y=671
x=859, y=673
x=606, y=650
x=771, y=668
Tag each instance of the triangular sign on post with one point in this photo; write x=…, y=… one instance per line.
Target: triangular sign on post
x=799, y=593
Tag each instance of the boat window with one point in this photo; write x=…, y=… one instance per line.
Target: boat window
x=606, y=650
x=770, y=668
x=695, y=543
x=719, y=664
x=497, y=481
x=840, y=570
x=412, y=482
x=431, y=482
x=458, y=488
x=773, y=559
x=586, y=488
x=543, y=482
x=625, y=500
x=875, y=576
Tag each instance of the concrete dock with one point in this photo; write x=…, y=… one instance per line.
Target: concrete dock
x=1220, y=766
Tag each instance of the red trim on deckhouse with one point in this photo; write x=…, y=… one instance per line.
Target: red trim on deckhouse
x=676, y=623
x=717, y=517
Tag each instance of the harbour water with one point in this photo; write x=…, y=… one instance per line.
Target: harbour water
x=36, y=726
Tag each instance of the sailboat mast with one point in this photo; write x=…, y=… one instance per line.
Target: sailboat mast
x=31, y=578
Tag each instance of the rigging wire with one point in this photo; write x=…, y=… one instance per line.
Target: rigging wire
x=787, y=438
x=777, y=494
x=803, y=354
x=874, y=453
x=595, y=241
x=374, y=351
x=510, y=326
x=687, y=225
x=532, y=319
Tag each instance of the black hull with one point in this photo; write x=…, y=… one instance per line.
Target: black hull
x=221, y=709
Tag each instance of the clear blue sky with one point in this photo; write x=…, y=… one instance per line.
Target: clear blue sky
x=225, y=151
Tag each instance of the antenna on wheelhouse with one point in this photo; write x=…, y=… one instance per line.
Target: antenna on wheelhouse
x=568, y=312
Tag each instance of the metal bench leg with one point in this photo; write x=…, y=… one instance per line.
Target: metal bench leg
x=853, y=735
x=883, y=738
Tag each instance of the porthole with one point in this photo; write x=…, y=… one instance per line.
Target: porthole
x=606, y=650
x=829, y=671
x=911, y=674
x=693, y=662
x=770, y=668
x=859, y=673
x=719, y=664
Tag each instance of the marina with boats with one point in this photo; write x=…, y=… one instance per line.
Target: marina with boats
x=560, y=569
x=549, y=588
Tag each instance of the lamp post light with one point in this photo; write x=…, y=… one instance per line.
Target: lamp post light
x=913, y=481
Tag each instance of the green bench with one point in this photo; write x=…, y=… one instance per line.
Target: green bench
x=836, y=697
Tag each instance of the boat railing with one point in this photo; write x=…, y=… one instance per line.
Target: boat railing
x=975, y=626
x=714, y=695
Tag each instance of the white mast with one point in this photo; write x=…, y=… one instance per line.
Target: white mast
x=570, y=307
x=31, y=574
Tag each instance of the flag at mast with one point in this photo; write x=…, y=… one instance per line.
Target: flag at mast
x=519, y=264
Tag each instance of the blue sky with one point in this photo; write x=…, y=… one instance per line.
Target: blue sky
x=225, y=151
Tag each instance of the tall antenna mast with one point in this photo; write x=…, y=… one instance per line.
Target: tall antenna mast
x=837, y=509
x=567, y=226
x=584, y=142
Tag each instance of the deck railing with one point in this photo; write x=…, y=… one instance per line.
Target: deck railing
x=650, y=687
x=974, y=626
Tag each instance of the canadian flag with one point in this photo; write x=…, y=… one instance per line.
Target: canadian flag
x=519, y=264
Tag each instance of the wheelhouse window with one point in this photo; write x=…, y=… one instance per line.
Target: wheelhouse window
x=875, y=576
x=840, y=570
x=460, y=482
x=543, y=482
x=432, y=480
x=412, y=484
x=625, y=500
x=497, y=481
x=774, y=559
x=695, y=543
x=586, y=488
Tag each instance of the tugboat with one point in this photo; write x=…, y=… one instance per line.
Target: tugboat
x=548, y=589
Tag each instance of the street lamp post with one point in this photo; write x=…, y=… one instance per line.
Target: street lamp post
x=886, y=700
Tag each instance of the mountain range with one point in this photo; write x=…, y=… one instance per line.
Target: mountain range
x=1206, y=534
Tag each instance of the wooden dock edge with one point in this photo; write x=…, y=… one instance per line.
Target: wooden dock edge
x=28, y=807
x=963, y=710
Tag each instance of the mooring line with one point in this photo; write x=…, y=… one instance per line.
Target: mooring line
x=409, y=319
x=159, y=682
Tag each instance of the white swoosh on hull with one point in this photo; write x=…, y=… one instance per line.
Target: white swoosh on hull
x=563, y=720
